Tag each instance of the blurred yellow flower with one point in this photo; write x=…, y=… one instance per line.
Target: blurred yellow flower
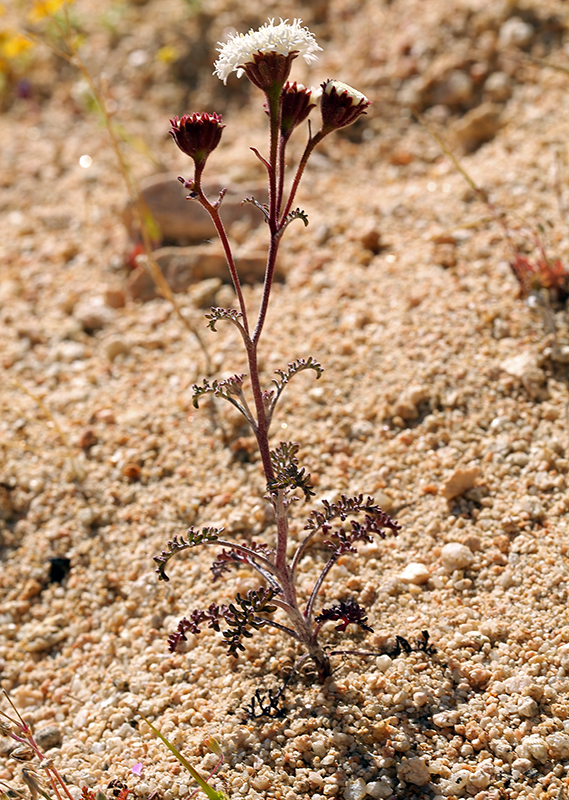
x=167, y=54
x=13, y=44
x=46, y=8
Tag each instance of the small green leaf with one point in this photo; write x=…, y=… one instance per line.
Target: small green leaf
x=212, y=793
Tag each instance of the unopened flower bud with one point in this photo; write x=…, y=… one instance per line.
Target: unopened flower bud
x=340, y=105
x=22, y=753
x=34, y=783
x=197, y=135
x=212, y=744
x=297, y=104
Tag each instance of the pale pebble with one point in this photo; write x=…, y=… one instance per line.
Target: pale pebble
x=533, y=747
x=516, y=32
x=461, y=480
x=456, y=784
x=456, y=556
x=558, y=746
x=415, y=573
x=414, y=770
x=355, y=790
x=527, y=707
x=446, y=719
x=115, y=346
x=382, y=663
x=381, y=789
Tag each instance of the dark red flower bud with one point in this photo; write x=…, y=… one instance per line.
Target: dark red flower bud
x=296, y=106
x=340, y=105
x=197, y=135
x=269, y=70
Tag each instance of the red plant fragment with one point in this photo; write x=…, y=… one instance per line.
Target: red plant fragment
x=541, y=274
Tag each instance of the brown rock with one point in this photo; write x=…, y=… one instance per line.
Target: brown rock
x=525, y=367
x=87, y=439
x=49, y=737
x=184, y=221
x=406, y=406
x=132, y=471
x=478, y=678
x=31, y=589
x=115, y=297
x=459, y=482
x=184, y=266
x=477, y=126
x=6, y=507
x=371, y=239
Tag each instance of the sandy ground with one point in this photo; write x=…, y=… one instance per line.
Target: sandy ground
x=444, y=395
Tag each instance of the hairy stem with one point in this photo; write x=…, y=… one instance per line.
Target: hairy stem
x=269, y=275
x=276, y=177
x=213, y=212
x=317, y=586
x=312, y=142
x=301, y=550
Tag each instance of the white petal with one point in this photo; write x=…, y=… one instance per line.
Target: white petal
x=283, y=38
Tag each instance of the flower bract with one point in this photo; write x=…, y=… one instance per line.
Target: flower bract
x=285, y=39
x=296, y=106
x=197, y=135
x=340, y=105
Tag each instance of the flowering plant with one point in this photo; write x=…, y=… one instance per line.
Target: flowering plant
x=265, y=56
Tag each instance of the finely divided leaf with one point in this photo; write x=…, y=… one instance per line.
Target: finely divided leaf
x=194, y=538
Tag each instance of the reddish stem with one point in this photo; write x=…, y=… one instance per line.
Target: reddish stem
x=213, y=211
x=312, y=142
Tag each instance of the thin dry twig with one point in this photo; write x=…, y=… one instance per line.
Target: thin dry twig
x=141, y=212
x=78, y=473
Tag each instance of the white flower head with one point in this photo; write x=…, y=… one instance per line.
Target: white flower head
x=284, y=38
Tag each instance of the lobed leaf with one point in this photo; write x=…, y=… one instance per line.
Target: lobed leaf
x=345, y=507
x=349, y=613
x=225, y=388
x=242, y=615
x=299, y=365
x=230, y=314
x=296, y=214
x=291, y=477
x=284, y=455
x=194, y=538
x=263, y=207
x=227, y=558
x=285, y=375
